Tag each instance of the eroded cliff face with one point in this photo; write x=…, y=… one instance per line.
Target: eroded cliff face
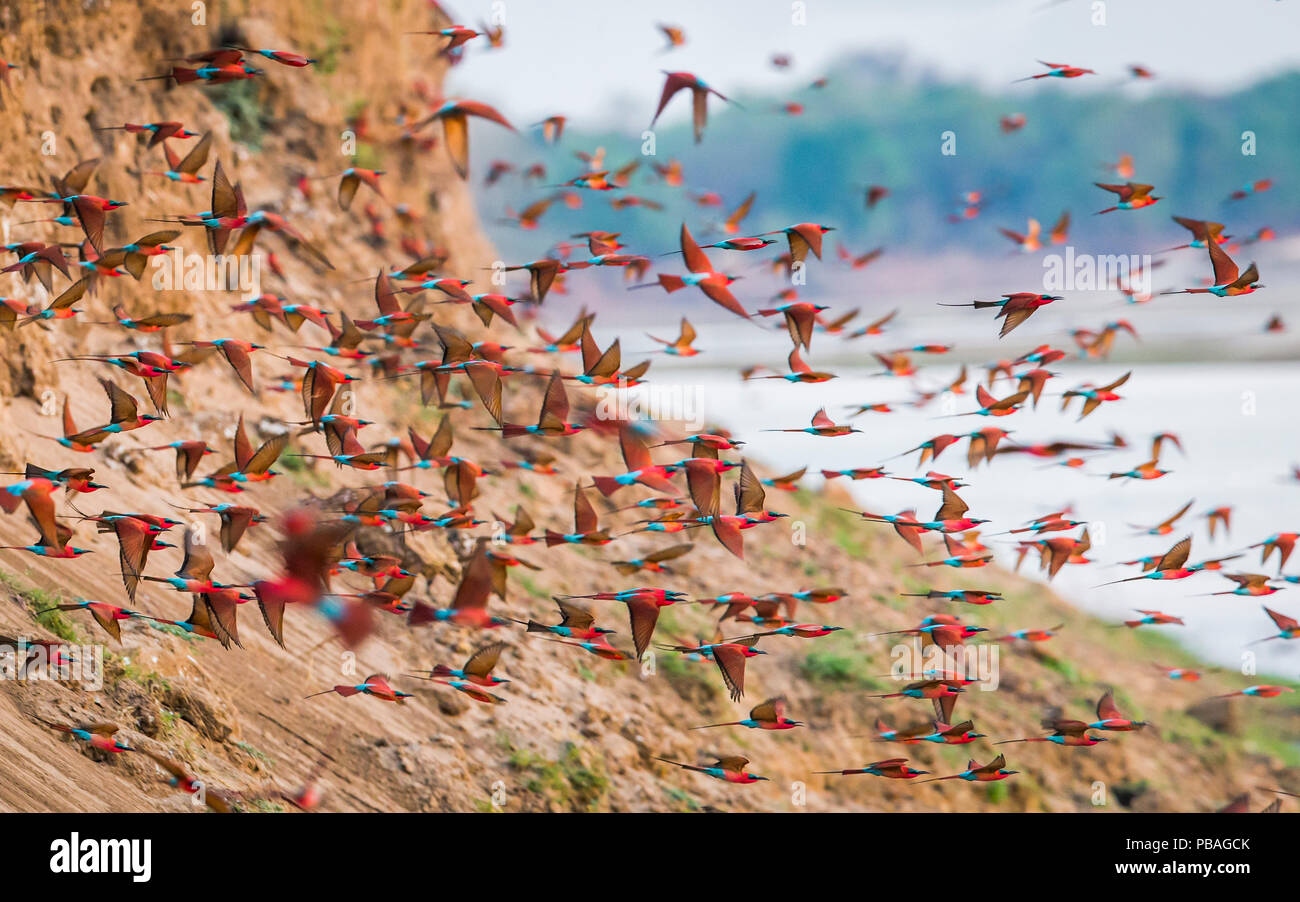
x=577, y=733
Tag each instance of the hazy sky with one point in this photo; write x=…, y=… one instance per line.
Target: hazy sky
x=598, y=59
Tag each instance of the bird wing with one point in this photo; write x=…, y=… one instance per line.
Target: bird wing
x=1014, y=318
x=122, y=407
x=574, y=616
x=1225, y=271
x=1176, y=557
x=731, y=664
x=1117, y=383
x=196, y=159
x=695, y=258
x=455, y=132
x=750, y=495
x=1173, y=518
x=953, y=507
x=482, y=661
x=198, y=562
x=674, y=83
x=584, y=515
x=475, y=582
x=556, y=401
x=643, y=615
x=732, y=223
x=267, y=454
x=1106, y=709
x=1283, y=622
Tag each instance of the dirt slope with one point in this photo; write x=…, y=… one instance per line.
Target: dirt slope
x=577, y=733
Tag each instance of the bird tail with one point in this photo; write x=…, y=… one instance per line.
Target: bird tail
x=671, y=283
x=553, y=538
x=710, y=726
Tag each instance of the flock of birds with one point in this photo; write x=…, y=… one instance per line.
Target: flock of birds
x=464, y=377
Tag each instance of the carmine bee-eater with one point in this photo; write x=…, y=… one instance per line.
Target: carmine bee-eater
x=1132, y=196
x=1172, y=565
x=925, y=689
x=108, y=616
x=1247, y=190
x=1014, y=308
x=576, y=622
x=376, y=685
x=970, y=596
x=1072, y=733
x=653, y=562
x=1094, y=395
x=803, y=237
x=949, y=518
x=1109, y=718
x=1282, y=542
x=157, y=131
x=1229, y=281
x=97, y=735
x=769, y=715
x=643, y=606
x=1288, y=627
x=1203, y=232
x=216, y=73
x=893, y=768
x=1260, y=691
x=586, y=524
x=1253, y=585
x=640, y=467
x=469, y=605
x=682, y=345
x=955, y=734
x=552, y=421
x=1029, y=241
x=677, y=81
x=822, y=425
x=599, y=647
x=1219, y=517
x=477, y=669
x=1153, y=618
x=454, y=116
x=729, y=769
x=702, y=275
x=1058, y=70
x=730, y=658
x=1185, y=674
x=38, y=494
x=800, y=321
x=975, y=773
x=906, y=736
x=1030, y=635
x=186, y=170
